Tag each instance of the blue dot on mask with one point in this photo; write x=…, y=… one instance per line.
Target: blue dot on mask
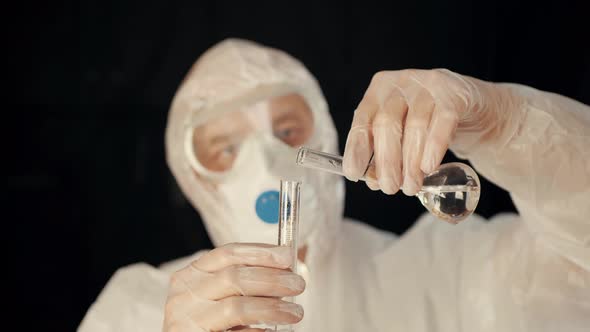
x=267, y=206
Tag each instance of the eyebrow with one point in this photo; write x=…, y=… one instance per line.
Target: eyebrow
x=218, y=139
x=286, y=114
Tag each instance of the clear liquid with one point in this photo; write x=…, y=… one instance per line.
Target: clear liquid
x=449, y=204
x=451, y=193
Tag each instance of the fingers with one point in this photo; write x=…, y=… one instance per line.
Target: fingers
x=406, y=121
x=453, y=98
x=250, y=329
x=373, y=185
x=421, y=107
x=245, y=254
x=387, y=136
x=236, y=280
x=242, y=310
x=442, y=128
x=233, y=312
x=359, y=143
x=234, y=286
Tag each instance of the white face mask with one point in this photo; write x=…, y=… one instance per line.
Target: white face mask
x=250, y=191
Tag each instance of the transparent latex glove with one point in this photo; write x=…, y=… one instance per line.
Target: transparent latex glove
x=234, y=286
x=408, y=119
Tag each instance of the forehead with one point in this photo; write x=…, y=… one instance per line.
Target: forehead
x=231, y=122
x=267, y=109
x=292, y=99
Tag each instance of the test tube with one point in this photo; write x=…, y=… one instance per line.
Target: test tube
x=330, y=163
x=289, y=225
x=289, y=216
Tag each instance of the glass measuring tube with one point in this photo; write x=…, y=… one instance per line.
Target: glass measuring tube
x=289, y=225
x=451, y=192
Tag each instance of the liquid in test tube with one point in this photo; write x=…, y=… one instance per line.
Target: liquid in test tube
x=289, y=225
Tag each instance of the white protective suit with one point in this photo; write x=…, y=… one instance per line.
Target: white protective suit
x=526, y=272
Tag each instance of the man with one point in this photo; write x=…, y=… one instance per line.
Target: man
x=233, y=129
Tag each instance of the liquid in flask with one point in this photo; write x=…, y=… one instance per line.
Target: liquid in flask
x=451, y=193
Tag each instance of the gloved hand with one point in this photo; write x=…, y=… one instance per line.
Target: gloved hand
x=409, y=118
x=234, y=286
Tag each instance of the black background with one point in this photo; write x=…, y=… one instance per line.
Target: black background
x=90, y=83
